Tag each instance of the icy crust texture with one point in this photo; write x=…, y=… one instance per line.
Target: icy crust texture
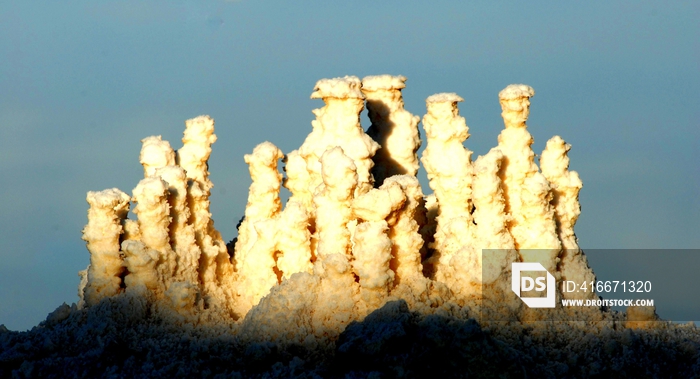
x=358, y=230
x=393, y=127
x=132, y=337
x=358, y=259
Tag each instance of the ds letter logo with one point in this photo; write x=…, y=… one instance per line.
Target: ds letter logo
x=528, y=284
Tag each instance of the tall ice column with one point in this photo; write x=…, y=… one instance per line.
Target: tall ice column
x=263, y=196
x=256, y=244
x=393, y=127
x=338, y=124
x=333, y=201
x=566, y=185
x=526, y=190
x=193, y=157
x=450, y=172
x=153, y=211
x=338, y=292
x=376, y=211
x=182, y=238
x=493, y=238
x=108, y=209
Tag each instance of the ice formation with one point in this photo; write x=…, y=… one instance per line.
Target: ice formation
x=359, y=256
x=357, y=222
x=565, y=188
x=102, y=278
x=393, y=127
x=451, y=173
x=527, y=191
x=338, y=124
x=155, y=153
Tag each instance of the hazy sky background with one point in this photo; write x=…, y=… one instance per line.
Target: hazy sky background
x=81, y=82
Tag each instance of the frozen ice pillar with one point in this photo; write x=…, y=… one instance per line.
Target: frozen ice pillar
x=393, y=127
x=526, y=190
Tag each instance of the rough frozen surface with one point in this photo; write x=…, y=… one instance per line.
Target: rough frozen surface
x=355, y=276
x=127, y=336
x=516, y=91
x=383, y=82
x=444, y=97
x=393, y=127
x=341, y=88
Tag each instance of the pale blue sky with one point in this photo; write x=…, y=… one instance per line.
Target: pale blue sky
x=81, y=82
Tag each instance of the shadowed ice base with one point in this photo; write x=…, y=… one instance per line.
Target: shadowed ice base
x=131, y=336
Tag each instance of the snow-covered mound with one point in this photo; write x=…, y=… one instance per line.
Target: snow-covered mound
x=127, y=337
